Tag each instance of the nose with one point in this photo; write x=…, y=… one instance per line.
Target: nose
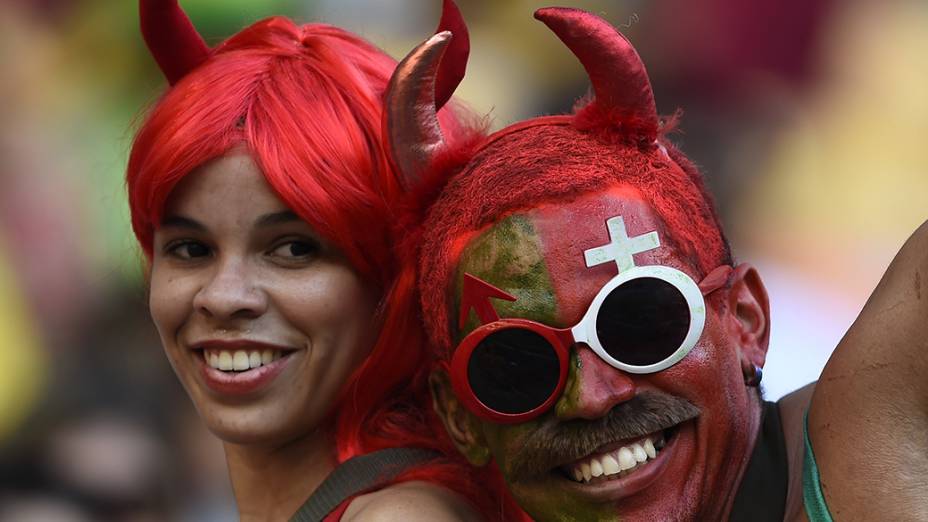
x=593, y=387
x=231, y=292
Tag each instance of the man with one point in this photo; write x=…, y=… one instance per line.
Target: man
x=599, y=346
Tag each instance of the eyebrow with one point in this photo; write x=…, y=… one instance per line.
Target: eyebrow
x=274, y=218
x=182, y=222
x=277, y=218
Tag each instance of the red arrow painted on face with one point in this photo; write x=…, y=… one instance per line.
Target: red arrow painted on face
x=476, y=294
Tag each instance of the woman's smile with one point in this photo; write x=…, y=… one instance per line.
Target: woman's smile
x=262, y=320
x=240, y=366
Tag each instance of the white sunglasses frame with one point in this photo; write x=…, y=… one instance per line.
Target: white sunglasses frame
x=585, y=330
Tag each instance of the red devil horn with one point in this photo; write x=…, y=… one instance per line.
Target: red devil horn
x=620, y=82
x=171, y=38
x=454, y=63
x=411, y=120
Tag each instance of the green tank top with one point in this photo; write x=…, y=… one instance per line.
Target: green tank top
x=812, y=496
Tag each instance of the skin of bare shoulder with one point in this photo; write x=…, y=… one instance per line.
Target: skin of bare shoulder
x=411, y=501
x=869, y=413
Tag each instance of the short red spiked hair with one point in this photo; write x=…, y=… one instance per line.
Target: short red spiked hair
x=554, y=161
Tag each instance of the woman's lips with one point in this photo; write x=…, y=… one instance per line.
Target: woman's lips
x=239, y=383
x=240, y=368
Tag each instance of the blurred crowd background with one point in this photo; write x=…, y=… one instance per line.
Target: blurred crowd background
x=807, y=117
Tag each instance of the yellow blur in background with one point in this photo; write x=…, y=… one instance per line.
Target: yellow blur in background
x=24, y=360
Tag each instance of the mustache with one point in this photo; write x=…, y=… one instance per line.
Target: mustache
x=555, y=442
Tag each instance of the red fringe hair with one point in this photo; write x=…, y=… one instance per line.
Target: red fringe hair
x=306, y=102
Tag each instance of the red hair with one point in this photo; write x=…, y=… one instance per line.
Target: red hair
x=306, y=102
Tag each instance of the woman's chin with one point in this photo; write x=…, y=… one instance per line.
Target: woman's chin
x=250, y=428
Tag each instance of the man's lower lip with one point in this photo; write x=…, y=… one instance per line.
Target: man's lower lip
x=622, y=487
x=245, y=382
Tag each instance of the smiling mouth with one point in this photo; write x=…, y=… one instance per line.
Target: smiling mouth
x=237, y=361
x=618, y=460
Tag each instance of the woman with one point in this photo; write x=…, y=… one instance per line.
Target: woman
x=262, y=198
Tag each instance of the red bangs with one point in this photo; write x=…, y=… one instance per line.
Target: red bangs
x=305, y=102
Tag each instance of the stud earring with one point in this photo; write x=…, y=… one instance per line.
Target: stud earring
x=753, y=376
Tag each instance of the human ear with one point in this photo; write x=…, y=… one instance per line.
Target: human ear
x=749, y=308
x=462, y=427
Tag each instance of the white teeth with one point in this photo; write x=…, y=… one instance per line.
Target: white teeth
x=649, y=448
x=225, y=361
x=626, y=459
x=610, y=465
x=585, y=469
x=639, y=453
x=240, y=360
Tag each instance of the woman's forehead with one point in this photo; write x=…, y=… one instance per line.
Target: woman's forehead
x=232, y=183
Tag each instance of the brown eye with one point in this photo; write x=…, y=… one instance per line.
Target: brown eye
x=188, y=250
x=296, y=249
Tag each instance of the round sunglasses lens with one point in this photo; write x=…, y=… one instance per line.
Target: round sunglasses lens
x=513, y=370
x=643, y=321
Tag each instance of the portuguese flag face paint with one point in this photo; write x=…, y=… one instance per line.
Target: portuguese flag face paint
x=536, y=255
x=509, y=256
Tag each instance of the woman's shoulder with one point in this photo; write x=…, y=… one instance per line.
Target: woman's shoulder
x=415, y=500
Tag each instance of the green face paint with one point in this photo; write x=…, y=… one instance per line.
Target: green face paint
x=571, y=395
x=547, y=504
x=509, y=257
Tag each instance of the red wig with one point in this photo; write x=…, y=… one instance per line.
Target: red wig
x=306, y=103
x=300, y=99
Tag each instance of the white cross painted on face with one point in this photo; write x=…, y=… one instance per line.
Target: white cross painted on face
x=621, y=248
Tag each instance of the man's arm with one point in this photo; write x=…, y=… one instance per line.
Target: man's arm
x=868, y=421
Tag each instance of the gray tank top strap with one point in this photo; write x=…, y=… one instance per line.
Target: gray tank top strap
x=358, y=474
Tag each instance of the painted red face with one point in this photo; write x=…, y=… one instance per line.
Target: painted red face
x=688, y=470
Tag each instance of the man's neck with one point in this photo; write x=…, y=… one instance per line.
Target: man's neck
x=271, y=483
x=746, y=452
